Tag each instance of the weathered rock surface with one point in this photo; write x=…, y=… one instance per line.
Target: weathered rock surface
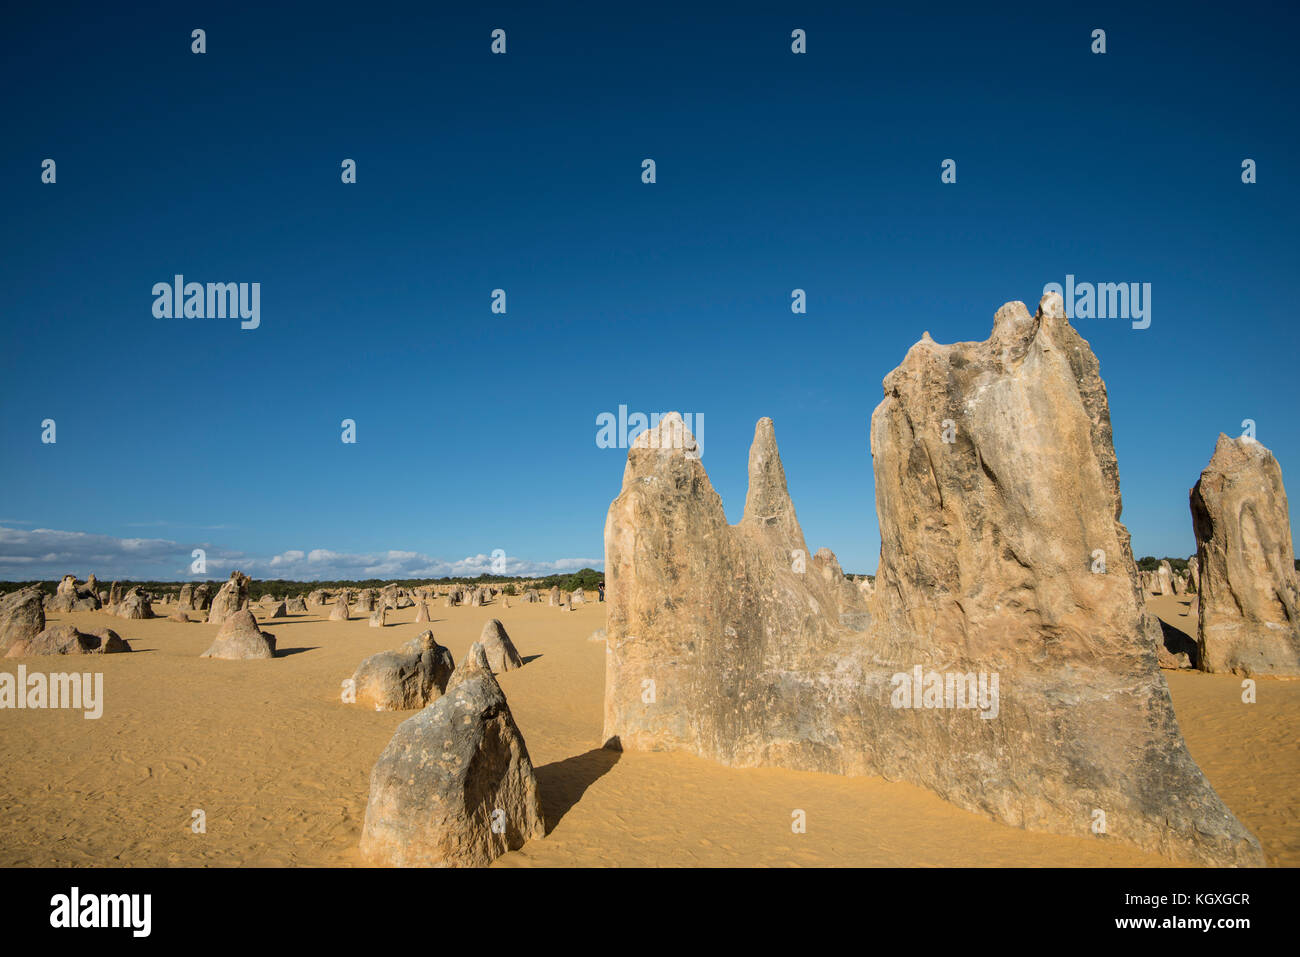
x=1038, y=697
x=67, y=640
x=22, y=616
x=500, y=650
x=455, y=787
x=277, y=609
x=340, y=610
x=65, y=594
x=296, y=606
x=1249, y=599
x=178, y=616
x=379, y=617
x=134, y=604
x=1194, y=573
x=71, y=596
x=1165, y=578
x=421, y=612
x=232, y=597
x=239, y=637
x=185, y=601
x=407, y=678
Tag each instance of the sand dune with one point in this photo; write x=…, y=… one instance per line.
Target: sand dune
x=280, y=766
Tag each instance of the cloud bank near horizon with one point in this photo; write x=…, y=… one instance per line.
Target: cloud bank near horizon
x=44, y=553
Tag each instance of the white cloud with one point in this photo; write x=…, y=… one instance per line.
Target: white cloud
x=49, y=554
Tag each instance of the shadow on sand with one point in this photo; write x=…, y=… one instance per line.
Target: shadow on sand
x=1178, y=641
x=561, y=784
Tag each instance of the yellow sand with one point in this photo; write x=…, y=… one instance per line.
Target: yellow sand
x=281, y=767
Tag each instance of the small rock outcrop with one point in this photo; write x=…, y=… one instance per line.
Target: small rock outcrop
x=134, y=604
x=22, y=616
x=67, y=640
x=232, y=597
x=455, y=787
x=240, y=638
x=1165, y=578
x=500, y=650
x=407, y=678
x=340, y=611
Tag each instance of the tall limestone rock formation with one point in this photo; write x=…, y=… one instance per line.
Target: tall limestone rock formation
x=992, y=550
x=1005, y=662
x=1249, y=601
x=722, y=640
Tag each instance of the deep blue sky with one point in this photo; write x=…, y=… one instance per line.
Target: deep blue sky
x=522, y=171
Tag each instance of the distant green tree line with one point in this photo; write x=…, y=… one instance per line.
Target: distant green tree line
x=258, y=588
